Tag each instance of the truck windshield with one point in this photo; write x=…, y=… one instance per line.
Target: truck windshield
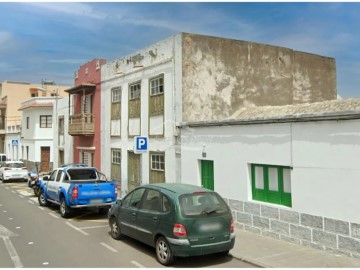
x=82, y=174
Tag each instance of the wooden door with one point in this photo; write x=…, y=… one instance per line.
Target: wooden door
x=45, y=159
x=133, y=170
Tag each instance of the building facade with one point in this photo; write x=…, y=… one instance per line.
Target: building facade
x=37, y=133
x=190, y=77
x=288, y=172
x=85, y=115
x=11, y=95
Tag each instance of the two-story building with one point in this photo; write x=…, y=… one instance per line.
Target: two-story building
x=84, y=115
x=190, y=77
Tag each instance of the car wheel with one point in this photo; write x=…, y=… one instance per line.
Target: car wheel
x=115, y=230
x=64, y=209
x=163, y=252
x=42, y=200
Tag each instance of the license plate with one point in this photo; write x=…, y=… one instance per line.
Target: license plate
x=97, y=201
x=210, y=227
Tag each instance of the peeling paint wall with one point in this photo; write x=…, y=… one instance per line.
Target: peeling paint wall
x=220, y=76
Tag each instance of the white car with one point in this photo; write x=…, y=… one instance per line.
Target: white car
x=11, y=170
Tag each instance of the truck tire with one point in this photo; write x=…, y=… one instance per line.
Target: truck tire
x=64, y=209
x=41, y=198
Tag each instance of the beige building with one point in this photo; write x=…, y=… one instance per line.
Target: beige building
x=11, y=96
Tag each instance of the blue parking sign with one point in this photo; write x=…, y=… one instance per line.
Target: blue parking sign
x=141, y=144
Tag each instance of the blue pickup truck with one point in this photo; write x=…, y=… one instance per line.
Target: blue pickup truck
x=77, y=187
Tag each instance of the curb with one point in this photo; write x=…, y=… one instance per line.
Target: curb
x=250, y=261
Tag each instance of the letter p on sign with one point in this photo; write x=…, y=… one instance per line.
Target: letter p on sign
x=141, y=144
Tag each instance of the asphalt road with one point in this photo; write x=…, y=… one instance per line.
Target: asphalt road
x=35, y=236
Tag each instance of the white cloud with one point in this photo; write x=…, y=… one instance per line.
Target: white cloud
x=77, y=9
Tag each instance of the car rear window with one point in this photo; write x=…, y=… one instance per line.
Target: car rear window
x=15, y=165
x=82, y=174
x=202, y=204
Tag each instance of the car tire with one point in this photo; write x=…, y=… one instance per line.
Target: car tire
x=42, y=199
x=64, y=209
x=115, y=230
x=164, y=254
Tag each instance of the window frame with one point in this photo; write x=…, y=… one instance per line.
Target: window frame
x=134, y=94
x=48, y=124
x=265, y=194
x=159, y=88
x=116, y=159
x=116, y=94
x=159, y=162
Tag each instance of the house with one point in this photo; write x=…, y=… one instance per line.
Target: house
x=187, y=78
x=289, y=172
x=11, y=96
x=37, y=132
x=84, y=114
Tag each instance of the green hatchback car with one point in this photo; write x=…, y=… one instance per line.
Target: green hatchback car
x=179, y=220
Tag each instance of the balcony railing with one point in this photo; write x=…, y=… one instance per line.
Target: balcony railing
x=81, y=124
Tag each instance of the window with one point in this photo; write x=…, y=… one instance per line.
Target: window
x=271, y=184
x=157, y=86
x=151, y=201
x=27, y=122
x=136, y=197
x=116, y=95
x=158, y=162
x=116, y=156
x=45, y=121
x=135, y=91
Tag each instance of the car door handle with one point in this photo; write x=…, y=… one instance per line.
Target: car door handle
x=155, y=219
x=134, y=214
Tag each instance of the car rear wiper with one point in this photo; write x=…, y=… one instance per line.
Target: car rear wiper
x=209, y=212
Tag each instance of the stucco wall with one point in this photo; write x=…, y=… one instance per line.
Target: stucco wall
x=324, y=178
x=222, y=75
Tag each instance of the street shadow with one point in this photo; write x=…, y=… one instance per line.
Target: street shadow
x=180, y=262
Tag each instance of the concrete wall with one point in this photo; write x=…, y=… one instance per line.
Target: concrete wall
x=324, y=177
x=220, y=76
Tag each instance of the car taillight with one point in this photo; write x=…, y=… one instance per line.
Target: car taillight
x=116, y=190
x=232, y=225
x=75, y=193
x=179, y=230
x=7, y=169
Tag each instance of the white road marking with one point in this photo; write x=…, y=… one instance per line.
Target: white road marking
x=137, y=264
x=12, y=252
x=7, y=187
x=108, y=247
x=13, y=191
x=30, y=243
x=94, y=227
x=10, y=218
x=5, y=211
x=45, y=263
x=18, y=227
x=53, y=215
x=29, y=201
x=41, y=208
x=21, y=196
x=25, y=193
x=79, y=230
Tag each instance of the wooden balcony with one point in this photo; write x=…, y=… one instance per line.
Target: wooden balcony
x=82, y=124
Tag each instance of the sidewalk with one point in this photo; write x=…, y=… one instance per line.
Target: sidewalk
x=268, y=252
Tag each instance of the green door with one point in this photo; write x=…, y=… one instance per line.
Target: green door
x=207, y=174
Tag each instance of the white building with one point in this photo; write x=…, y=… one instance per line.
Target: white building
x=190, y=77
x=288, y=172
x=37, y=135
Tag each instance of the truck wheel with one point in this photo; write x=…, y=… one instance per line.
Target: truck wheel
x=64, y=209
x=115, y=229
x=41, y=198
x=163, y=252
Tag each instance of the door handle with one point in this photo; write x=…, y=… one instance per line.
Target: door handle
x=155, y=219
x=134, y=214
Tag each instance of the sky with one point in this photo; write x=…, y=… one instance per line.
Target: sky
x=50, y=41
